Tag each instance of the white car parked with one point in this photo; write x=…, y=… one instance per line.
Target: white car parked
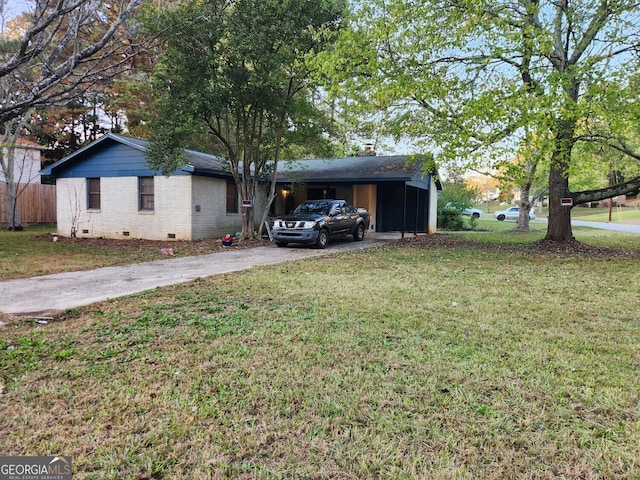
x=469, y=212
x=511, y=213
x=473, y=212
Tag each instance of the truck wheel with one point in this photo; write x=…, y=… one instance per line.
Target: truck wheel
x=358, y=233
x=281, y=244
x=323, y=238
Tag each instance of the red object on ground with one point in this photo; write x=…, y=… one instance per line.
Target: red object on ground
x=227, y=240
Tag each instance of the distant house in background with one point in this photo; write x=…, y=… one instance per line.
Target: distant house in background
x=397, y=193
x=34, y=202
x=106, y=189
x=26, y=168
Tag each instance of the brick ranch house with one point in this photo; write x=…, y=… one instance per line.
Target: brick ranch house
x=106, y=189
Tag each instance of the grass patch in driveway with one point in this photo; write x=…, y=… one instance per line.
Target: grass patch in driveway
x=409, y=361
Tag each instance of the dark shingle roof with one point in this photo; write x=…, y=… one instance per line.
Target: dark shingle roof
x=201, y=162
x=361, y=169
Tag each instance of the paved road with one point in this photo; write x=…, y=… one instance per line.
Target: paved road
x=616, y=227
x=50, y=293
x=607, y=226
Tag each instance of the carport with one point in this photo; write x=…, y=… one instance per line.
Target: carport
x=394, y=189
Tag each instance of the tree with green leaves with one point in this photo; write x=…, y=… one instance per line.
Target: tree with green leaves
x=235, y=73
x=452, y=200
x=481, y=81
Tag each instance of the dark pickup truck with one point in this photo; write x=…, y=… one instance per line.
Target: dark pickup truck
x=318, y=221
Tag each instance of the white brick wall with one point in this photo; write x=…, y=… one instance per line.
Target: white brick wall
x=119, y=212
x=212, y=220
x=175, y=209
x=70, y=204
x=433, y=207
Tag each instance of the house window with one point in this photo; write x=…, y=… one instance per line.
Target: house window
x=232, y=197
x=93, y=193
x=145, y=187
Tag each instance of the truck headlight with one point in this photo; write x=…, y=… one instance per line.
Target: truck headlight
x=309, y=224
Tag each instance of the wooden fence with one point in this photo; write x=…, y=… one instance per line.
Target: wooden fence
x=36, y=204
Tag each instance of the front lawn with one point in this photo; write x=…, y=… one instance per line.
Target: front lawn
x=443, y=358
x=38, y=251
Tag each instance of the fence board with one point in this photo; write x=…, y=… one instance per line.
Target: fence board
x=36, y=204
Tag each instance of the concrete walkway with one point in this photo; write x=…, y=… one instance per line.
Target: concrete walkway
x=50, y=293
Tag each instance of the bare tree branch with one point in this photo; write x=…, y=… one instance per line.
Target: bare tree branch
x=69, y=45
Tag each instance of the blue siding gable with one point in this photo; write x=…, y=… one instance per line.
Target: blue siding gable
x=111, y=159
x=115, y=155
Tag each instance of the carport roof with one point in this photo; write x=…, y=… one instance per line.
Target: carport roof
x=360, y=169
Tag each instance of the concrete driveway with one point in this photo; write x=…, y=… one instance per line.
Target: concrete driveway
x=51, y=293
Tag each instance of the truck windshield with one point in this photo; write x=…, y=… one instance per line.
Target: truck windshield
x=321, y=208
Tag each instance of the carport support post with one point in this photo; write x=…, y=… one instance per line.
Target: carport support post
x=404, y=210
x=417, y=210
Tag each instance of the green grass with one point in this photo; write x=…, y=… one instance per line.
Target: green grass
x=628, y=214
x=33, y=252
x=618, y=215
x=489, y=230
x=397, y=362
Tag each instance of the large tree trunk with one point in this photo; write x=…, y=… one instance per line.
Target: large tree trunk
x=276, y=158
x=13, y=213
x=559, y=227
x=525, y=207
x=7, y=164
x=247, y=223
x=248, y=193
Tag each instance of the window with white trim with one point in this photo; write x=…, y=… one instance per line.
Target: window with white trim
x=93, y=193
x=145, y=193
